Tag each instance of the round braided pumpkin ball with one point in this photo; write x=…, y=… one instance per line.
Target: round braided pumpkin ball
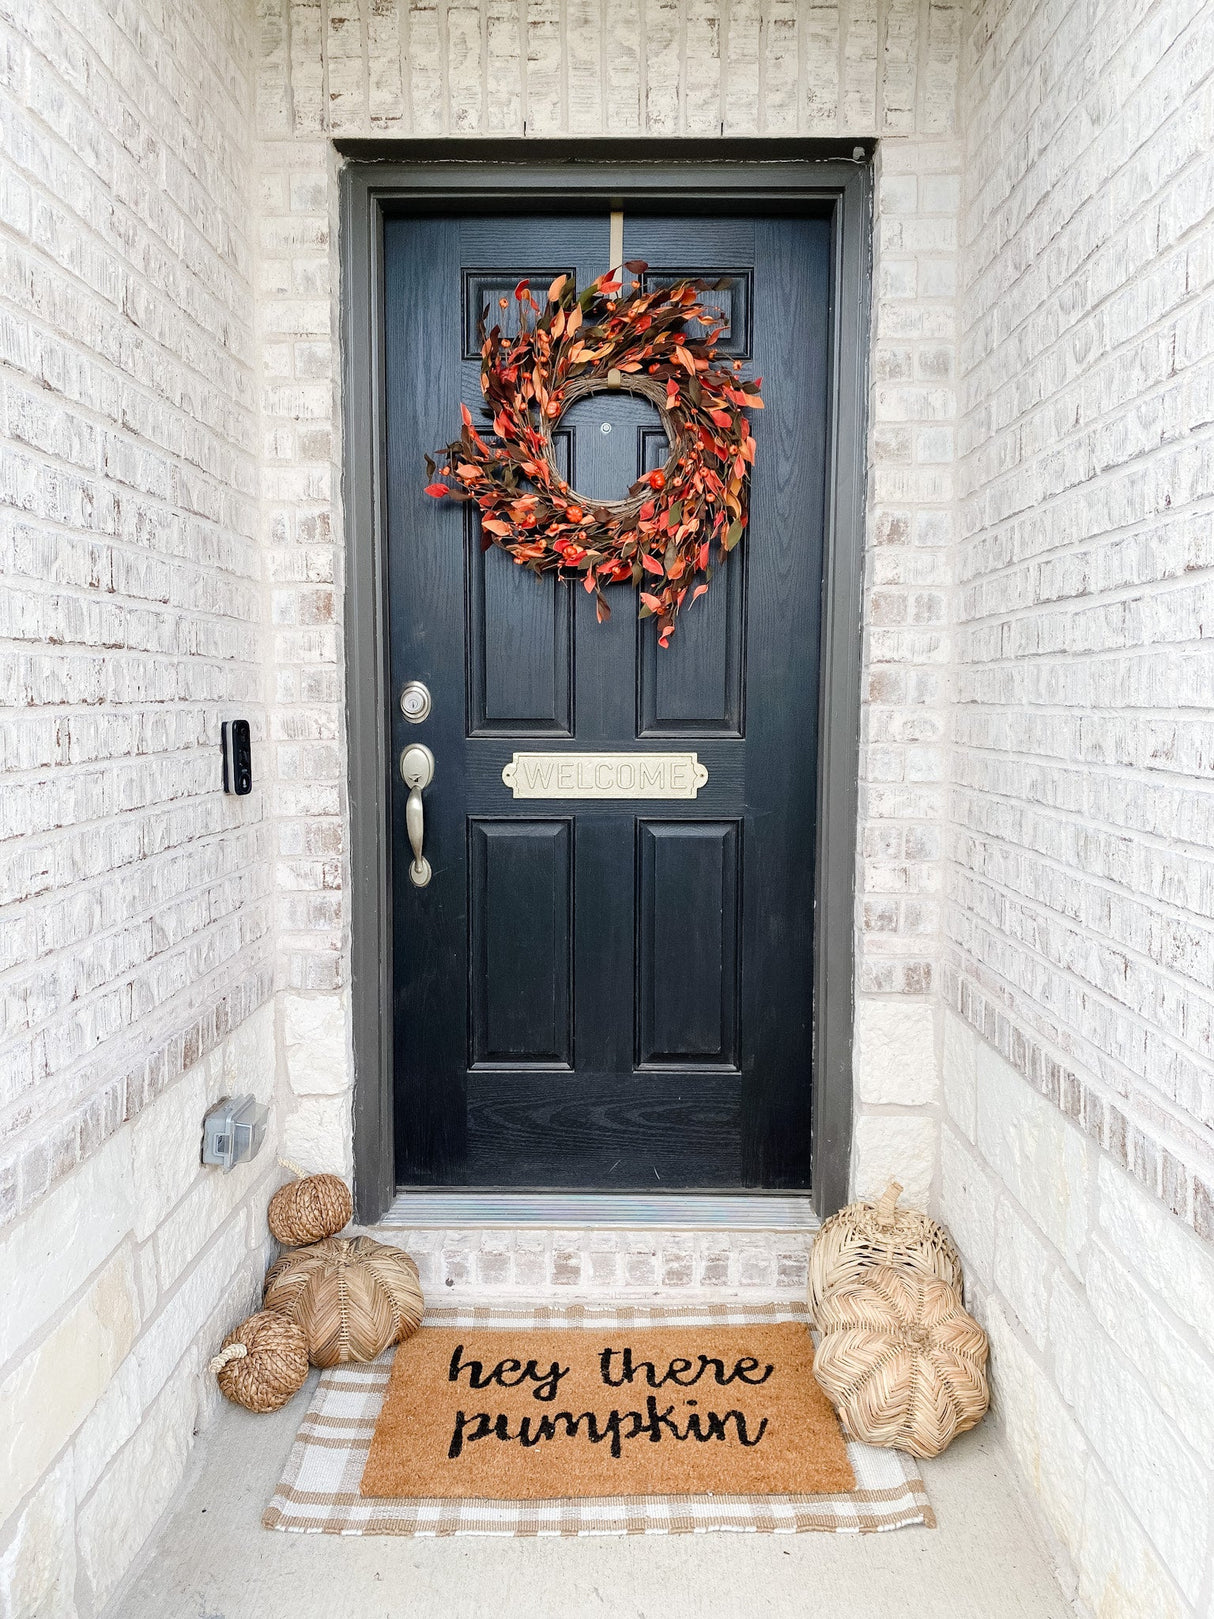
x=306, y=1210
x=352, y=1296
x=865, y=1234
x=902, y=1361
x=263, y=1362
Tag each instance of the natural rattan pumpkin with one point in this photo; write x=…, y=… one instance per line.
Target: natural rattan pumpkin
x=865, y=1234
x=309, y=1209
x=903, y=1363
x=351, y=1295
x=263, y=1362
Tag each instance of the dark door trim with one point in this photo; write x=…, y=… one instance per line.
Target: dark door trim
x=782, y=175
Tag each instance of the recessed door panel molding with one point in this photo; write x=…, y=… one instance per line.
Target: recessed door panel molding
x=688, y=913
x=571, y=1137
x=483, y=291
x=731, y=303
x=693, y=687
x=520, y=907
x=519, y=638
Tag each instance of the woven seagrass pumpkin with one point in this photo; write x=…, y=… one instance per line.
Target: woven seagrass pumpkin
x=263, y=1362
x=309, y=1209
x=352, y=1296
x=902, y=1361
x=865, y=1234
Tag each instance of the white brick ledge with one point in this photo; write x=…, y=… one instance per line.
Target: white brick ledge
x=1183, y=1190
x=486, y=1262
x=35, y=1166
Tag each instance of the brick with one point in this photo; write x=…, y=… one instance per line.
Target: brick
x=38, y=1567
x=894, y=1146
x=1145, y=1456
x=56, y=1384
x=895, y=1051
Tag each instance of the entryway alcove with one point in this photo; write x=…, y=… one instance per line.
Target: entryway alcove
x=597, y=993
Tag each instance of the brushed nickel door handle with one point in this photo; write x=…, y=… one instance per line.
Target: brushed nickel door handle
x=417, y=771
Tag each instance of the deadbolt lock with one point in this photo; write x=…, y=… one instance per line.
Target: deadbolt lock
x=415, y=702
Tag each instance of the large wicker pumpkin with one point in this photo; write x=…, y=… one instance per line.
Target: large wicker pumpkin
x=352, y=1296
x=307, y=1209
x=865, y=1234
x=902, y=1362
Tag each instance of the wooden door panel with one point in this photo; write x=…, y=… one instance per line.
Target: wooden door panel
x=520, y=909
x=687, y=942
x=520, y=648
x=656, y=1131
x=693, y=687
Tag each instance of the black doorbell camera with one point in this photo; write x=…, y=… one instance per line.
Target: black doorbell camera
x=237, y=757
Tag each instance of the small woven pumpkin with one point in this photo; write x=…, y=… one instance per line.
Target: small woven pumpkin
x=309, y=1209
x=865, y=1234
x=352, y=1296
x=263, y=1362
x=902, y=1361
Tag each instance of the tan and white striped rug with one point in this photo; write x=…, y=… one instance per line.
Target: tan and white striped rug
x=319, y=1490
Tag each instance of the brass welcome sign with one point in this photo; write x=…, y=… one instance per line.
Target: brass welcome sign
x=605, y=775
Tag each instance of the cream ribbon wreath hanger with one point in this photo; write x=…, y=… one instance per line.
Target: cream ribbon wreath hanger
x=615, y=261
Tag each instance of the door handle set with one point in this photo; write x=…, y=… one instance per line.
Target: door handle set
x=417, y=771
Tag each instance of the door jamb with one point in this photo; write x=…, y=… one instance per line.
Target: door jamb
x=781, y=174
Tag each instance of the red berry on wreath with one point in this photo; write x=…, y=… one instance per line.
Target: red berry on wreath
x=663, y=530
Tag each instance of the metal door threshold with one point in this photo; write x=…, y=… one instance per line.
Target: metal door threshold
x=419, y=1210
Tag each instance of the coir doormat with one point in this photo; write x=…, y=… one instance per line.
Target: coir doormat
x=546, y=1415
x=320, y=1492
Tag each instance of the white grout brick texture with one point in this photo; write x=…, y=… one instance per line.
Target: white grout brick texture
x=1080, y=912
x=1078, y=1140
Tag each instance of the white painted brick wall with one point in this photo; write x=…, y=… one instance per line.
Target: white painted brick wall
x=1100, y=1308
x=1078, y=1141
x=135, y=905
x=1082, y=871
x=119, y=1285
x=694, y=68
x=136, y=912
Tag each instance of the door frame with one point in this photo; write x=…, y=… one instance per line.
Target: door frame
x=383, y=176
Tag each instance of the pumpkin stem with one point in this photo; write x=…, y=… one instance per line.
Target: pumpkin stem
x=888, y=1201
x=236, y=1351
x=299, y=1174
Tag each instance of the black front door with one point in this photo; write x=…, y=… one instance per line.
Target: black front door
x=605, y=993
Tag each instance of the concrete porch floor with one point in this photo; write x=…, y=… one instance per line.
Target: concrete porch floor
x=211, y=1559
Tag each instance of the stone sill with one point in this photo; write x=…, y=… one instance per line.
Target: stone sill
x=488, y=1247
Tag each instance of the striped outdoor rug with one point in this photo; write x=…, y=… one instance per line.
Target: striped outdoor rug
x=319, y=1489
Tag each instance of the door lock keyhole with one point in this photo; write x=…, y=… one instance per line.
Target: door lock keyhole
x=415, y=702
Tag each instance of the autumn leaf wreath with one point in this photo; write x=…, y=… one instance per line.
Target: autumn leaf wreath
x=662, y=536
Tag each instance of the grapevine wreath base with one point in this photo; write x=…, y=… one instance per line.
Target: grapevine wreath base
x=662, y=536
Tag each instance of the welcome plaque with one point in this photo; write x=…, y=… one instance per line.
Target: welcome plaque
x=605, y=775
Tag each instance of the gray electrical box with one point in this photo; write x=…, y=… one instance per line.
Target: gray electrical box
x=233, y=1131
